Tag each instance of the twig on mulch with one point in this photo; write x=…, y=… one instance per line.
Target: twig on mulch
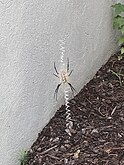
x=49, y=149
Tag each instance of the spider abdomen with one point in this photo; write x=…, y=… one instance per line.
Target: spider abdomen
x=64, y=77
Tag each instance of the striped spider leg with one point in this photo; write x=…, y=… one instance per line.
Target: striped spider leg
x=63, y=76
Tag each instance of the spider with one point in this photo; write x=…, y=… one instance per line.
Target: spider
x=63, y=76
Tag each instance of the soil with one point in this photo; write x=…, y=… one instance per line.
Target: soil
x=97, y=113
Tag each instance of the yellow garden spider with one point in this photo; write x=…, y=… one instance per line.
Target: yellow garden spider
x=63, y=76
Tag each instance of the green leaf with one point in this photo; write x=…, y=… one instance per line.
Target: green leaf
x=118, y=22
x=122, y=30
x=120, y=57
x=23, y=157
x=122, y=50
x=121, y=40
x=119, y=8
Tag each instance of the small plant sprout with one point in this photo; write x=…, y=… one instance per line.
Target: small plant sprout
x=63, y=77
x=23, y=157
x=119, y=75
x=118, y=23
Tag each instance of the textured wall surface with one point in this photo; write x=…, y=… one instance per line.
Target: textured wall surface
x=31, y=34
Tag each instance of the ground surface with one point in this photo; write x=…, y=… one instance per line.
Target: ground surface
x=98, y=131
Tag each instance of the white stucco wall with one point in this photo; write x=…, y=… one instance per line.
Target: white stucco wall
x=30, y=31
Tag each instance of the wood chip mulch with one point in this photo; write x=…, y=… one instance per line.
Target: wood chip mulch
x=97, y=113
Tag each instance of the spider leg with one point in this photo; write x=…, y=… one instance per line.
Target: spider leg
x=56, y=91
x=72, y=88
x=70, y=73
x=67, y=65
x=55, y=75
x=55, y=68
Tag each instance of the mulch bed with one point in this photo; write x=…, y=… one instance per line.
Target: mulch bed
x=97, y=113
